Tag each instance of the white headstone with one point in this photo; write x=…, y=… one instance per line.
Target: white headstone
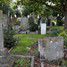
x=43, y=28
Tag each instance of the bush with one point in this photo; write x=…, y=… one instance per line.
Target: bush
x=64, y=35
x=32, y=25
x=55, y=31
x=9, y=39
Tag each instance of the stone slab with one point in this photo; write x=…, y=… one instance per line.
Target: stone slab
x=51, y=48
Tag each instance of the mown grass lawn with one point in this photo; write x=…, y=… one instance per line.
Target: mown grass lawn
x=25, y=42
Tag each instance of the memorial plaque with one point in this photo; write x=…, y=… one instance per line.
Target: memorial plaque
x=51, y=48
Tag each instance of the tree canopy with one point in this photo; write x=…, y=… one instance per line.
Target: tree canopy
x=56, y=5
x=59, y=3
x=36, y=6
x=5, y=6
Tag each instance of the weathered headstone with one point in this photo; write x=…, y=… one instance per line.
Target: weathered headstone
x=51, y=48
x=24, y=23
x=43, y=28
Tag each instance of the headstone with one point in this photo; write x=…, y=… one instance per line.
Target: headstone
x=24, y=23
x=43, y=28
x=51, y=48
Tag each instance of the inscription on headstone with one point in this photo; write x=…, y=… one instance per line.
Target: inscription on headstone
x=51, y=48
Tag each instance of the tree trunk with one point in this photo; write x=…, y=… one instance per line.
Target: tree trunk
x=65, y=20
x=65, y=13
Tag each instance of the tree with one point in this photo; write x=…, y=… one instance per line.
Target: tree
x=5, y=7
x=9, y=40
x=59, y=6
x=27, y=10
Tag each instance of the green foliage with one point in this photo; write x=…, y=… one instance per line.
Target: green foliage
x=32, y=25
x=60, y=5
x=55, y=31
x=65, y=63
x=60, y=23
x=9, y=39
x=23, y=62
x=27, y=10
x=5, y=7
x=18, y=14
x=64, y=35
x=25, y=43
x=59, y=20
x=5, y=2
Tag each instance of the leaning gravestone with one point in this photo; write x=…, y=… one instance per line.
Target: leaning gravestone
x=5, y=59
x=51, y=48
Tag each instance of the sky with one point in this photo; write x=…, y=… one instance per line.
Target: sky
x=14, y=0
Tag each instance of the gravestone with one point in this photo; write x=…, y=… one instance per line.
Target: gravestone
x=43, y=28
x=24, y=23
x=51, y=48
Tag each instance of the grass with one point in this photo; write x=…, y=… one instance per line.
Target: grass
x=25, y=42
x=24, y=62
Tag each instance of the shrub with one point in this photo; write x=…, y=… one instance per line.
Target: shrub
x=32, y=25
x=55, y=31
x=9, y=39
x=64, y=35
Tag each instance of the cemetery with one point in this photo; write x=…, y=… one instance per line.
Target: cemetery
x=33, y=33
